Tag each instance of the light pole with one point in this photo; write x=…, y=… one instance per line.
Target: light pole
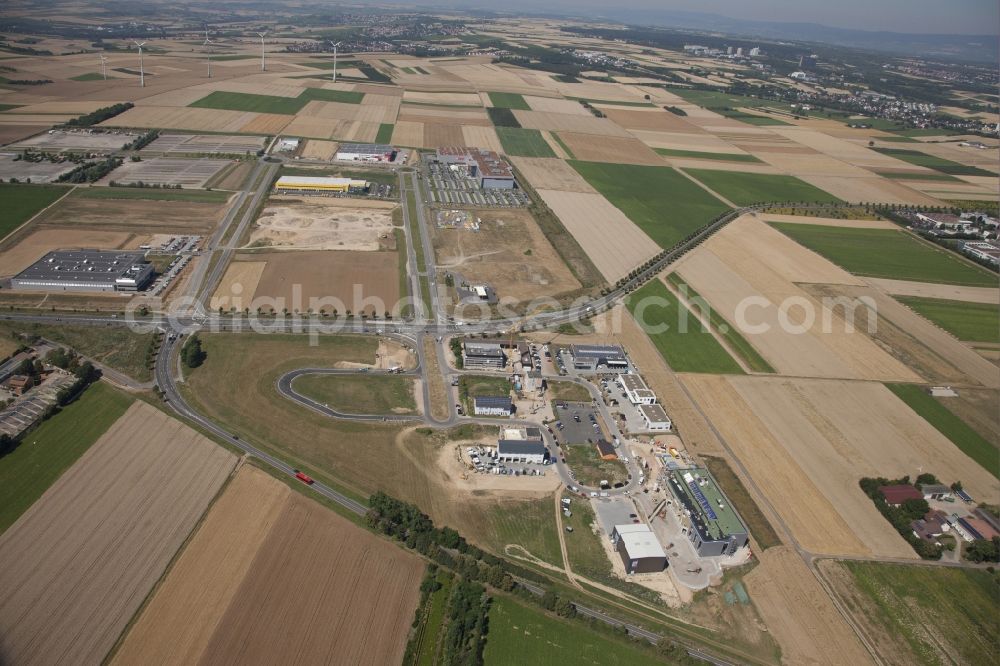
x=263, y=65
x=142, y=73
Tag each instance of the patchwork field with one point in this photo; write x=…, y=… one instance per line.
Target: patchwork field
x=807, y=459
x=322, y=223
x=271, y=576
x=972, y=322
x=893, y=254
x=663, y=203
x=519, y=142
x=744, y=189
x=84, y=556
x=609, y=149
x=22, y=202
x=612, y=242
x=509, y=252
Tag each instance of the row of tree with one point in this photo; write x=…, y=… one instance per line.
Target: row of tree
x=100, y=115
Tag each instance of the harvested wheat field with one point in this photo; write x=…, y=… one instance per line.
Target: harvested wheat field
x=481, y=137
x=358, y=280
x=613, y=149
x=321, y=223
x=871, y=188
x=569, y=122
x=238, y=285
x=408, y=134
x=807, y=443
x=827, y=221
x=81, y=560
x=318, y=149
x=274, y=577
x=930, y=290
x=547, y=173
x=30, y=249
x=800, y=614
x=497, y=254
x=134, y=215
x=799, y=334
x=437, y=135
x=613, y=243
x=647, y=119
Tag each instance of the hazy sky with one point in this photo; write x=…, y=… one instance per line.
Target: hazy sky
x=923, y=16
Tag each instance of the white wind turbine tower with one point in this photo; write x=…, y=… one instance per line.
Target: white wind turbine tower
x=208, y=49
x=142, y=73
x=335, y=60
x=104, y=66
x=263, y=65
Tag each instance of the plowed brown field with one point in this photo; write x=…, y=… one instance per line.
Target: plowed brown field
x=80, y=561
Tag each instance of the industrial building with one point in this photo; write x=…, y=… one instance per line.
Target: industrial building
x=319, y=185
x=715, y=528
x=485, y=166
x=492, y=405
x=483, y=355
x=639, y=549
x=655, y=418
x=636, y=390
x=366, y=152
x=86, y=270
x=522, y=450
x=599, y=358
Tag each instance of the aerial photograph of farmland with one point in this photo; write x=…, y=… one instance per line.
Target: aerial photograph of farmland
x=658, y=332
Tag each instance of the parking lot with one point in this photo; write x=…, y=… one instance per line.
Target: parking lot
x=167, y=171
x=35, y=172
x=205, y=144
x=483, y=459
x=618, y=402
x=580, y=424
x=453, y=187
x=77, y=141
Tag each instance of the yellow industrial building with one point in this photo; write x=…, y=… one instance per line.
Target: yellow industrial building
x=319, y=184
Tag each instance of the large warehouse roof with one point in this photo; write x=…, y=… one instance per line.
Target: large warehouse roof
x=318, y=181
x=85, y=267
x=640, y=542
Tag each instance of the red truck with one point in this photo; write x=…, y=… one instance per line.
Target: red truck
x=304, y=478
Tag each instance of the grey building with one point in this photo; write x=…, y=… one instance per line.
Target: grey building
x=486, y=166
x=492, y=405
x=86, y=270
x=715, y=527
x=639, y=548
x=483, y=355
x=599, y=358
x=522, y=450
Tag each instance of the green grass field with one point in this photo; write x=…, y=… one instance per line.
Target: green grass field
x=972, y=322
x=751, y=118
x=523, y=635
x=727, y=105
x=471, y=386
x=933, y=162
x=232, y=101
x=887, y=253
x=362, y=394
x=590, y=469
x=524, y=142
x=758, y=524
x=662, y=202
x=695, y=154
x=22, y=202
x=384, y=133
x=151, y=194
x=501, y=117
x=430, y=628
x=49, y=450
x=744, y=189
x=736, y=341
x=909, y=175
x=691, y=350
x=567, y=391
x=942, y=615
x=532, y=526
x=89, y=76
x=505, y=100
x=948, y=424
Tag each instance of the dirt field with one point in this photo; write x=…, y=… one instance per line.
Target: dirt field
x=34, y=246
x=134, y=215
x=437, y=135
x=617, y=150
x=930, y=290
x=317, y=149
x=872, y=188
x=298, y=277
x=799, y=613
x=569, y=122
x=648, y=119
x=498, y=254
x=807, y=458
x=748, y=260
x=610, y=239
x=81, y=560
x=481, y=137
x=322, y=223
x=546, y=173
x=828, y=221
x=272, y=576
x=238, y=285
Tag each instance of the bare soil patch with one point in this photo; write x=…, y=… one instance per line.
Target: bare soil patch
x=616, y=150
x=547, y=173
x=134, y=215
x=321, y=223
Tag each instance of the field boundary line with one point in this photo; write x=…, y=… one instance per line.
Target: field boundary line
x=705, y=187
x=69, y=191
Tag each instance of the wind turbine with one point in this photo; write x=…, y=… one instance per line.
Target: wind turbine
x=335, y=60
x=263, y=65
x=208, y=48
x=104, y=66
x=142, y=74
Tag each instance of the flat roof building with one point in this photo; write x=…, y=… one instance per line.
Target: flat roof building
x=319, y=184
x=492, y=405
x=655, y=418
x=636, y=390
x=594, y=358
x=483, y=355
x=522, y=450
x=639, y=548
x=715, y=529
x=366, y=152
x=486, y=166
x=86, y=270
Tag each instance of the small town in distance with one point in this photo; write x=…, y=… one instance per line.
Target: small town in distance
x=397, y=335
